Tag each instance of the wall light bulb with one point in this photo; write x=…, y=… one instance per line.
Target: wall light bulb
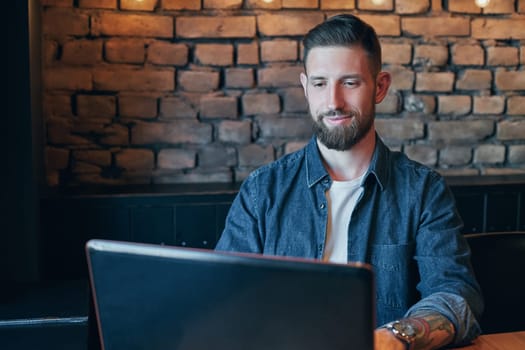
x=482, y=3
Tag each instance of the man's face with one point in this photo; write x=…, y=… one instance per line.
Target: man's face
x=341, y=92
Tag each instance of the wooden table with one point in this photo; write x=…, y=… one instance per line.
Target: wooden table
x=498, y=341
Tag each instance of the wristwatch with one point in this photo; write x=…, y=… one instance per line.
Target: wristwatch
x=404, y=331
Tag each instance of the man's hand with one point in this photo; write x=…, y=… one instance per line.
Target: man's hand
x=433, y=331
x=384, y=339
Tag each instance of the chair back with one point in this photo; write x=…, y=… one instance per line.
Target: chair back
x=498, y=259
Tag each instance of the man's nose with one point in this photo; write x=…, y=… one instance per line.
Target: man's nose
x=335, y=97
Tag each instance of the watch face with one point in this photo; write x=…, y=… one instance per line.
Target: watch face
x=404, y=329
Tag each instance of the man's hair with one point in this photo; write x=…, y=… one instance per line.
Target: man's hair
x=345, y=30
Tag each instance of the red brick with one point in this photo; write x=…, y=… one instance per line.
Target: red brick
x=56, y=158
x=218, y=107
x=521, y=6
x=82, y=52
x=489, y=154
x=126, y=79
x=439, y=81
x=498, y=28
x=455, y=155
x=422, y=153
x=263, y=4
x=470, y=55
x=294, y=146
x=239, y=78
x=463, y=6
x=300, y=4
x=412, y=6
x=516, y=105
x=125, y=50
x=135, y=159
x=517, y=154
x=217, y=156
x=502, y=56
x=180, y=4
x=80, y=167
x=254, y=155
x=279, y=50
x=49, y=52
x=248, y=53
x=222, y=4
x=464, y=131
x=420, y=103
x=454, y=104
x=499, y=7
x=283, y=76
x=436, y=26
x=62, y=22
x=215, y=27
x=176, y=159
x=489, y=104
x=165, y=53
x=104, y=134
x=68, y=79
x=121, y=24
x=511, y=130
x=235, y=131
x=61, y=134
x=431, y=55
x=93, y=156
x=474, y=79
x=96, y=106
x=98, y=4
x=391, y=104
x=260, y=104
x=138, y=106
x=198, y=81
x=338, y=4
x=396, y=53
x=386, y=5
x=272, y=126
x=384, y=25
x=177, y=107
x=400, y=129
x=402, y=78
x=289, y=24
x=181, y=131
x=214, y=54
x=57, y=106
x=294, y=100
x=57, y=3
x=143, y=5
x=510, y=80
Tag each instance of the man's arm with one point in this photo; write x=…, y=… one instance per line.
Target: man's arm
x=420, y=331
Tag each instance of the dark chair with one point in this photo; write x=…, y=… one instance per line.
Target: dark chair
x=498, y=259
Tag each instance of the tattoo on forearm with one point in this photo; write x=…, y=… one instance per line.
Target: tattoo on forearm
x=433, y=330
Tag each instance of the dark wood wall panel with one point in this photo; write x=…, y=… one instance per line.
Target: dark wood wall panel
x=197, y=220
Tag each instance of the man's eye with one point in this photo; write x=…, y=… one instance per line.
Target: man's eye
x=350, y=83
x=318, y=84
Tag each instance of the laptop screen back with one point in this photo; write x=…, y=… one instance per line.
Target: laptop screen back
x=156, y=297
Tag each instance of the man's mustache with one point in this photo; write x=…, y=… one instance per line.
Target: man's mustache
x=337, y=113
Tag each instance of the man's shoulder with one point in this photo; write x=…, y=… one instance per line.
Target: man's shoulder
x=411, y=170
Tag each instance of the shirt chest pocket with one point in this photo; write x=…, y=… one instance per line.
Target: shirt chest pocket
x=395, y=272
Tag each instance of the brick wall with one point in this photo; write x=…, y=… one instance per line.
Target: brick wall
x=191, y=91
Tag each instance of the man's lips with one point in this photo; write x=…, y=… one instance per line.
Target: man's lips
x=338, y=119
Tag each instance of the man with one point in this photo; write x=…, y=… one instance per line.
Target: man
x=346, y=197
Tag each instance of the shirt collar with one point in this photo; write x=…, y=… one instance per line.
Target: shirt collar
x=378, y=169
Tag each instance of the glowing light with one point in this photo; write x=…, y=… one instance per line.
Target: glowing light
x=378, y=2
x=482, y=3
x=268, y=1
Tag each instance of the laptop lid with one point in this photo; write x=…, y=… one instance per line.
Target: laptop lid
x=158, y=297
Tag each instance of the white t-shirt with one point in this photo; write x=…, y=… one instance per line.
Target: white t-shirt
x=342, y=198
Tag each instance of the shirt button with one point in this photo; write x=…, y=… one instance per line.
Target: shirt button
x=321, y=205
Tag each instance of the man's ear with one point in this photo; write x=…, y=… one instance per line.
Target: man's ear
x=304, y=82
x=383, y=81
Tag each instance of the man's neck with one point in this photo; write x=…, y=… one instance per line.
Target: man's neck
x=350, y=164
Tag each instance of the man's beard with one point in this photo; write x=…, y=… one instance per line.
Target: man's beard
x=342, y=138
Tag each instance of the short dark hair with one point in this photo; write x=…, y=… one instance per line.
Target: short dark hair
x=345, y=30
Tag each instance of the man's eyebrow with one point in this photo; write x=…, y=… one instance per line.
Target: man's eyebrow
x=343, y=77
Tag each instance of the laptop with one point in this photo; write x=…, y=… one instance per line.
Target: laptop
x=158, y=297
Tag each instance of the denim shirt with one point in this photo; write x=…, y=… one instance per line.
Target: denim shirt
x=405, y=225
